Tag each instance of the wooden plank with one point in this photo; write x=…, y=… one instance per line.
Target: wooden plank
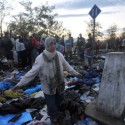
x=98, y=116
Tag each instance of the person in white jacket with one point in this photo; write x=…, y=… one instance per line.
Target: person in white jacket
x=50, y=65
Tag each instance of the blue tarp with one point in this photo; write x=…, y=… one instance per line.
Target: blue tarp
x=23, y=118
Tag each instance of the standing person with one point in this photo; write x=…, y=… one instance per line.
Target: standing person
x=63, y=43
x=80, y=46
x=13, y=39
x=59, y=47
x=42, y=40
x=68, y=47
x=97, y=46
x=118, y=43
x=50, y=65
x=29, y=47
x=36, y=46
x=7, y=46
x=89, y=50
x=21, y=52
x=123, y=45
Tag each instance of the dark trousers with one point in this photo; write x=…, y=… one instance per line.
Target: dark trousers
x=81, y=54
x=22, y=58
x=90, y=62
x=53, y=104
x=68, y=55
x=34, y=54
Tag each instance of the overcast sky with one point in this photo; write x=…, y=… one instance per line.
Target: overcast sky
x=74, y=13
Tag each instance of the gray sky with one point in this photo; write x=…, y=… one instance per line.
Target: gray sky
x=74, y=13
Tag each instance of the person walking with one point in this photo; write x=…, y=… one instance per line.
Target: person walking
x=50, y=65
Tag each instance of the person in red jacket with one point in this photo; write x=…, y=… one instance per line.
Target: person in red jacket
x=36, y=46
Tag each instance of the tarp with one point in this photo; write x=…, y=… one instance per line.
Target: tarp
x=23, y=118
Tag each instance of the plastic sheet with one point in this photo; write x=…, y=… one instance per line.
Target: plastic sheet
x=24, y=118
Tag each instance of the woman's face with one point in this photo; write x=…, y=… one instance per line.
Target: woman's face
x=52, y=46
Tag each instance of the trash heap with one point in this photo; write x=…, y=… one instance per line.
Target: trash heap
x=27, y=106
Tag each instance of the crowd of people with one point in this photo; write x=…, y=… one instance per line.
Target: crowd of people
x=23, y=51
x=48, y=57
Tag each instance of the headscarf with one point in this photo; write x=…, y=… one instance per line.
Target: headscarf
x=48, y=41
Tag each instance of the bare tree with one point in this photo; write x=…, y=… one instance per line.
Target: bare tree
x=112, y=30
x=90, y=25
x=4, y=11
x=38, y=19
